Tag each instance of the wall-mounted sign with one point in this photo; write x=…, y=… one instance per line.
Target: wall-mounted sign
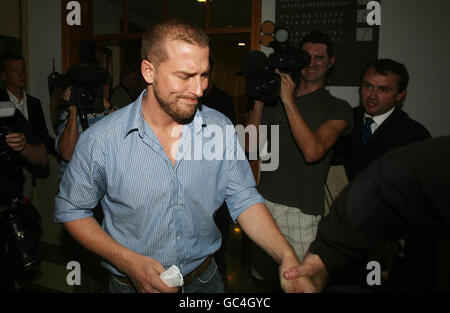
x=349, y=23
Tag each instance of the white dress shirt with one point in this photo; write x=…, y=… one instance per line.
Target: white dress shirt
x=20, y=105
x=378, y=119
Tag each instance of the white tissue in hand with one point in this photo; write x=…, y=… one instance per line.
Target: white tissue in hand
x=172, y=277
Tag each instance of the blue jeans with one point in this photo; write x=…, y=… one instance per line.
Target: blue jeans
x=210, y=281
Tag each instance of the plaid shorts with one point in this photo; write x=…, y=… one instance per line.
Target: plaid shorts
x=298, y=228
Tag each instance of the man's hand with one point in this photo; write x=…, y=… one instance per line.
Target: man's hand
x=144, y=273
x=287, y=89
x=16, y=141
x=35, y=154
x=311, y=276
x=287, y=263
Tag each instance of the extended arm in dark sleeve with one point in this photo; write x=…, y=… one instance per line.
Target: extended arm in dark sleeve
x=404, y=192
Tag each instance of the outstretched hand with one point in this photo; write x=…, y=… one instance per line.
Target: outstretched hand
x=309, y=277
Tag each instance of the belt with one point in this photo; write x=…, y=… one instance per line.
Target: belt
x=198, y=271
x=187, y=279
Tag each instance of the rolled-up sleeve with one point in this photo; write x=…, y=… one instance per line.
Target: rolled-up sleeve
x=83, y=184
x=241, y=187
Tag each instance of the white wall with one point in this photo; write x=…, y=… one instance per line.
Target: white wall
x=415, y=33
x=44, y=33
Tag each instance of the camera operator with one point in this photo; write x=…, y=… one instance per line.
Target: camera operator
x=19, y=147
x=70, y=126
x=85, y=100
x=310, y=121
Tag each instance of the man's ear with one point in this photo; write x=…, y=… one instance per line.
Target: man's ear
x=331, y=62
x=399, y=98
x=147, y=70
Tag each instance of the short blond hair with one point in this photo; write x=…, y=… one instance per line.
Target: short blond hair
x=155, y=39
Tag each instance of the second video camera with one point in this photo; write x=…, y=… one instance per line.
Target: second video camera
x=86, y=82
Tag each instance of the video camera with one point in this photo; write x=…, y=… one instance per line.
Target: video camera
x=86, y=82
x=262, y=82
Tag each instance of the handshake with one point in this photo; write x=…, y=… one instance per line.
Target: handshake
x=309, y=277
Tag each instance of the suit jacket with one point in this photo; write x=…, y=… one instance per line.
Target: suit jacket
x=396, y=131
x=36, y=120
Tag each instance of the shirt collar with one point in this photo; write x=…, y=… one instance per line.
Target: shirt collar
x=137, y=122
x=14, y=99
x=379, y=119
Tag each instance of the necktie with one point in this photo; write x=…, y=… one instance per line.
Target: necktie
x=367, y=131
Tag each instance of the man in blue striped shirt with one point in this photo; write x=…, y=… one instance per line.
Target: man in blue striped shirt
x=158, y=184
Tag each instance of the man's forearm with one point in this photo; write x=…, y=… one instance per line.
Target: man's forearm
x=255, y=119
x=309, y=141
x=314, y=144
x=259, y=225
x=256, y=114
x=143, y=271
x=89, y=234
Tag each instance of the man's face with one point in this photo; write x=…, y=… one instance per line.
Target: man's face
x=180, y=80
x=316, y=70
x=15, y=74
x=379, y=93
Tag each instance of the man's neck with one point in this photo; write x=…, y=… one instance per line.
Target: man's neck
x=306, y=87
x=16, y=91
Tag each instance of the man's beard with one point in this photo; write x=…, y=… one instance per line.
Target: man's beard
x=173, y=110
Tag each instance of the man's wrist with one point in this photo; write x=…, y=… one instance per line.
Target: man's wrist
x=289, y=257
x=72, y=109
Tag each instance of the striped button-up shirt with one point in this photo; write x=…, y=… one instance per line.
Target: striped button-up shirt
x=150, y=206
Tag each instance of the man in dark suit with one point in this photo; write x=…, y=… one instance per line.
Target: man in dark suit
x=13, y=73
x=380, y=125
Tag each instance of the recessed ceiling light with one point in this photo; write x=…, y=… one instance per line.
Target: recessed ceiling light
x=242, y=44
